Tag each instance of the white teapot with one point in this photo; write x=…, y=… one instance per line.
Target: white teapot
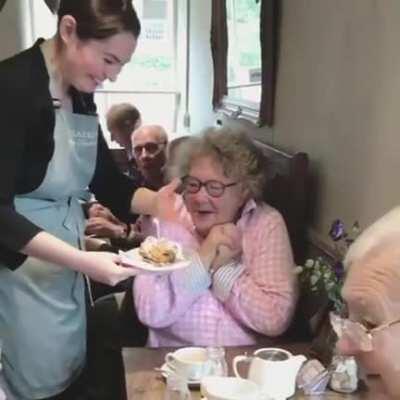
x=273, y=369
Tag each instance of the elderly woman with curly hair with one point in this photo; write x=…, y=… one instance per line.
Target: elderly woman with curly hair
x=240, y=286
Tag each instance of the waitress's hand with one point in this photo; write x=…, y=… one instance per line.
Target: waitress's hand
x=100, y=266
x=167, y=203
x=104, y=267
x=161, y=204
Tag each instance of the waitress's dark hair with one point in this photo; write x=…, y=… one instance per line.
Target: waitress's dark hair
x=100, y=19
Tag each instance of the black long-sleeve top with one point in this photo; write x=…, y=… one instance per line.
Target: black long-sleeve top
x=27, y=122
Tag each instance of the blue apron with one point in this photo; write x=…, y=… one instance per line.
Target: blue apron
x=42, y=306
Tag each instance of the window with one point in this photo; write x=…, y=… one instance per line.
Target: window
x=149, y=80
x=251, y=28
x=43, y=23
x=244, y=50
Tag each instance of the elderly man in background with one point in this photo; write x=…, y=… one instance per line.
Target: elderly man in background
x=149, y=147
x=122, y=120
x=372, y=294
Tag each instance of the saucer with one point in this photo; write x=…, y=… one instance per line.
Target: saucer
x=193, y=383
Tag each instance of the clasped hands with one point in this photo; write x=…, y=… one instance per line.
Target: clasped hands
x=222, y=245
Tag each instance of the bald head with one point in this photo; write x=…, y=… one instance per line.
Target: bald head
x=147, y=133
x=149, y=144
x=382, y=232
x=373, y=264
x=372, y=294
x=372, y=286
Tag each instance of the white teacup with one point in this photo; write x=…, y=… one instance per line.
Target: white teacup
x=229, y=388
x=190, y=362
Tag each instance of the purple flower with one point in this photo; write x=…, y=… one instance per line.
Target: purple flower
x=338, y=269
x=337, y=230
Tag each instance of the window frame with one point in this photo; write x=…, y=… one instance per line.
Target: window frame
x=260, y=113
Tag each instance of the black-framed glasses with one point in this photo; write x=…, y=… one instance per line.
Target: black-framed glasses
x=213, y=188
x=151, y=148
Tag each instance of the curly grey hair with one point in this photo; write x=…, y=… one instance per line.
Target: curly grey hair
x=233, y=150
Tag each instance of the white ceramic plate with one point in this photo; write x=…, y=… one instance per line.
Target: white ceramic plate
x=132, y=258
x=165, y=370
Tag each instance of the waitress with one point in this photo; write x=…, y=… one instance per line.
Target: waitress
x=51, y=151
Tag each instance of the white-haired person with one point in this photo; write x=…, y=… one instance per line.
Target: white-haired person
x=240, y=287
x=372, y=294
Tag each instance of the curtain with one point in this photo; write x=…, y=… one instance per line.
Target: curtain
x=269, y=22
x=219, y=50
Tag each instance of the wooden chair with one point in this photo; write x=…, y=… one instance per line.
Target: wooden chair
x=286, y=190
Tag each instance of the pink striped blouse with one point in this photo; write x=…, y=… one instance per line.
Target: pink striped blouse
x=252, y=298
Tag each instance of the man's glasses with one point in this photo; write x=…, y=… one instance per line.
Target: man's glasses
x=356, y=332
x=151, y=148
x=213, y=188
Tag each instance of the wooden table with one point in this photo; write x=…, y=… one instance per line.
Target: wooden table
x=144, y=383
